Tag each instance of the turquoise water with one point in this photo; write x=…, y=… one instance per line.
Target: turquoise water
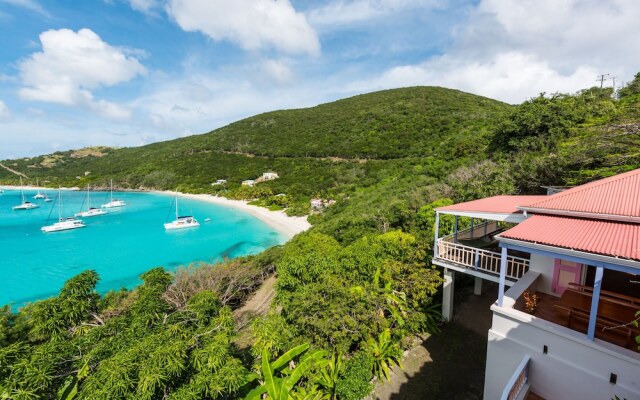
x=119, y=246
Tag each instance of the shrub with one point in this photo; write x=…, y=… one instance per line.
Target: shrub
x=355, y=382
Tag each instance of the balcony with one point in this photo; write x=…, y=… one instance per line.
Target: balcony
x=571, y=310
x=474, y=249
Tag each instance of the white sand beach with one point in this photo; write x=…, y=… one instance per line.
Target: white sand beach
x=278, y=220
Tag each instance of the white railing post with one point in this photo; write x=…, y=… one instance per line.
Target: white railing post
x=503, y=275
x=477, y=260
x=435, y=240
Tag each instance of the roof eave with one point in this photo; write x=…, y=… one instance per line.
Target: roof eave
x=570, y=252
x=581, y=214
x=515, y=218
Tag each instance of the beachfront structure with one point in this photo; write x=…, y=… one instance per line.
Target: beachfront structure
x=269, y=176
x=219, y=182
x=249, y=182
x=578, y=253
x=319, y=204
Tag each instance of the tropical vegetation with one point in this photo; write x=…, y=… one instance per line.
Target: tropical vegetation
x=349, y=290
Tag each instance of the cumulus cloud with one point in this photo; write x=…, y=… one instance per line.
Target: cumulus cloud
x=71, y=65
x=5, y=114
x=344, y=12
x=510, y=77
x=513, y=50
x=252, y=24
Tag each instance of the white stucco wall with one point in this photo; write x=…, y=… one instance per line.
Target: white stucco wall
x=573, y=368
x=544, y=266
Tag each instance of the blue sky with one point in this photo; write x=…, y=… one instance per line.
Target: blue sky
x=131, y=72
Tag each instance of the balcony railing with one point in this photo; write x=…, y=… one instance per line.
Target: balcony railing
x=477, y=231
x=480, y=259
x=518, y=381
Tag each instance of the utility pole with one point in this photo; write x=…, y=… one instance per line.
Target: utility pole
x=613, y=79
x=602, y=78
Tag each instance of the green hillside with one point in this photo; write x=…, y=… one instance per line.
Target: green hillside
x=349, y=292
x=327, y=139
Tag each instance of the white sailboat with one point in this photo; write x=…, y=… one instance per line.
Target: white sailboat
x=113, y=202
x=181, y=222
x=25, y=205
x=63, y=224
x=91, y=211
x=46, y=198
x=38, y=195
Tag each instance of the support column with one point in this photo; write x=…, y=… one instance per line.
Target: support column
x=477, y=286
x=447, y=294
x=503, y=275
x=593, y=315
x=435, y=236
x=471, y=228
x=455, y=231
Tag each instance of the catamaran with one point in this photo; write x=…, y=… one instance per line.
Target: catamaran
x=113, y=202
x=63, y=224
x=46, y=198
x=25, y=205
x=38, y=195
x=91, y=211
x=181, y=222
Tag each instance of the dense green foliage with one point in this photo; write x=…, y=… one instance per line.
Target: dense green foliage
x=353, y=287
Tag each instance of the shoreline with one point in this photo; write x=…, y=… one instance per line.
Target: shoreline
x=278, y=220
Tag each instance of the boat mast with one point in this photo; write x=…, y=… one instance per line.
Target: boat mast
x=59, y=203
x=112, y=190
x=176, y=204
x=88, y=199
x=21, y=190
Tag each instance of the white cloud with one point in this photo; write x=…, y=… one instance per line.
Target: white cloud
x=513, y=50
x=252, y=24
x=510, y=77
x=71, y=65
x=145, y=6
x=345, y=12
x=5, y=114
x=29, y=5
x=276, y=71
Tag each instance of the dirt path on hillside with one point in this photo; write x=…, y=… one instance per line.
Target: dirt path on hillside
x=14, y=171
x=258, y=304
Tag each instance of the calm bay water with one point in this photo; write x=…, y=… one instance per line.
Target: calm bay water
x=119, y=246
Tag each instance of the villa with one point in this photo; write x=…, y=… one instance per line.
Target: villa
x=568, y=272
x=249, y=182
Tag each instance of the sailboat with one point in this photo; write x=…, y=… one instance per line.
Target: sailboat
x=25, y=205
x=63, y=224
x=46, y=198
x=91, y=211
x=181, y=222
x=113, y=202
x=38, y=195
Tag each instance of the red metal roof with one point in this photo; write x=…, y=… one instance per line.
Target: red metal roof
x=495, y=204
x=618, y=195
x=610, y=238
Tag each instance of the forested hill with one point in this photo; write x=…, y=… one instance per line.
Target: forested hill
x=351, y=291
x=399, y=123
